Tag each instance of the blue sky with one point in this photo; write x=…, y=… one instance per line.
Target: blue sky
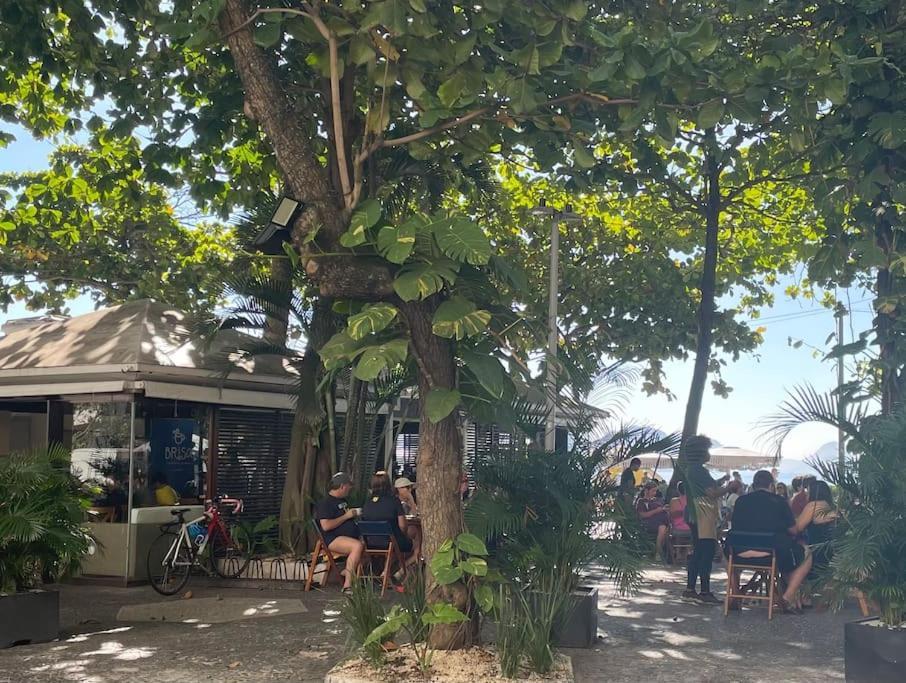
x=759, y=380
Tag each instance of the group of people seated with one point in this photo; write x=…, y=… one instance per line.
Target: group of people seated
x=800, y=526
x=385, y=503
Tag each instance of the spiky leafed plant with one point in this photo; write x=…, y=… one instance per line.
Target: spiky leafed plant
x=545, y=510
x=868, y=552
x=42, y=508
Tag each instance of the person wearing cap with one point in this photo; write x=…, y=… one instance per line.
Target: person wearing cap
x=336, y=519
x=404, y=491
x=404, y=487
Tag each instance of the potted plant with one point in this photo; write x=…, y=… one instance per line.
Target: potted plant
x=541, y=511
x=42, y=539
x=868, y=555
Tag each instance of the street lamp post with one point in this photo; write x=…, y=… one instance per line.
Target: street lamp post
x=550, y=390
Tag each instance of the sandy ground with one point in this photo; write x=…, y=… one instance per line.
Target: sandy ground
x=652, y=636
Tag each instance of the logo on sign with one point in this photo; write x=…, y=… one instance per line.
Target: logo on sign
x=177, y=452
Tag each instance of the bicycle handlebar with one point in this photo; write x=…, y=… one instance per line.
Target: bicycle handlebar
x=226, y=500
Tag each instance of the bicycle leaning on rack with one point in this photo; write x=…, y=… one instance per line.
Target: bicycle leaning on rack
x=183, y=545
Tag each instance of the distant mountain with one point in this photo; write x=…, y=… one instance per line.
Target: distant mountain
x=827, y=452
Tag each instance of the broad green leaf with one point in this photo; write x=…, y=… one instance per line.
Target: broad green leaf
x=443, y=613
x=514, y=275
x=375, y=359
x=338, y=350
x=470, y=543
x=395, y=242
x=372, y=319
x=418, y=5
x=440, y=403
x=451, y=89
x=484, y=597
x=442, y=558
x=459, y=318
x=576, y=10
x=710, y=114
x=486, y=369
x=523, y=97
x=476, y=566
x=394, y=622
x=445, y=547
x=268, y=34
x=447, y=575
x=422, y=280
x=835, y=90
x=582, y=157
x=365, y=216
x=462, y=240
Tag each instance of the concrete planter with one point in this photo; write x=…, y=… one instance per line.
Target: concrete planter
x=29, y=617
x=874, y=653
x=580, y=628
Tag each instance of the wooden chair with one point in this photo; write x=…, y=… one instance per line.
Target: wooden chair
x=763, y=567
x=321, y=553
x=381, y=543
x=679, y=546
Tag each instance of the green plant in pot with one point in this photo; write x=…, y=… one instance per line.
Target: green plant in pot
x=542, y=514
x=42, y=539
x=868, y=552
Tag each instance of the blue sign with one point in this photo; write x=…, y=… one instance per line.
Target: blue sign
x=173, y=452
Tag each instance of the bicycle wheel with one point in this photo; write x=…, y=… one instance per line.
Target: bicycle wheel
x=166, y=572
x=231, y=553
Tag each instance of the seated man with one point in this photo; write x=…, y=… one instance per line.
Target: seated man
x=340, y=532
x=653, y=516
x=164, y=494
x=761, y=511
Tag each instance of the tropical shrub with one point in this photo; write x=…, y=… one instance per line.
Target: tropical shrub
x=868, y=552
x=42, y=508
x=363, y=612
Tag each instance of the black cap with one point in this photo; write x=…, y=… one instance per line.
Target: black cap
x=338, y=480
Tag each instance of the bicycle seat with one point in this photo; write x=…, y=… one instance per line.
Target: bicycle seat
x=179, y=512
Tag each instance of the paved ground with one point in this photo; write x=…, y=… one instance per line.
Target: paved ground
x=653, y=636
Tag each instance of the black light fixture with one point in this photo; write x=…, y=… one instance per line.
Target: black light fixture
x=270, y=240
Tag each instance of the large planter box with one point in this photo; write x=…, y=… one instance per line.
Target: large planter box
x=580, y=628
x=31, y=617
x=874, y=653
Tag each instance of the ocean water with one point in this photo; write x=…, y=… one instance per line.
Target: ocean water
x=786, y=470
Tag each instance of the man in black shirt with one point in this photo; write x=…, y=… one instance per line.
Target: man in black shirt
x=340, y=532
x=761, y=511
x=627, y=479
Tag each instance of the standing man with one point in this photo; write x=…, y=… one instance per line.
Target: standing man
x=703, y=514
x=341, y=534
x=627, y=479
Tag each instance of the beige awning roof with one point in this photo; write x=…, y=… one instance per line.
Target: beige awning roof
x=138, y=340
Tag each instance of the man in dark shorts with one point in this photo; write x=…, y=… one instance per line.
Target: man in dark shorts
x=761, y=511
x=340, y=532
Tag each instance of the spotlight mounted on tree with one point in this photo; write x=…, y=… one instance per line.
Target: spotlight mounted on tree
x=271, y=239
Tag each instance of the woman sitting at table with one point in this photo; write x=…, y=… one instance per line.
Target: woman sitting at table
x=678, y=524
x=653, y=516
x=383, y=506
x=817, y=521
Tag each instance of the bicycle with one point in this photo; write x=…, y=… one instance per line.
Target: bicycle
x=173, y=554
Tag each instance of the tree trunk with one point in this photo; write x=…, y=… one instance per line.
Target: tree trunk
x=439, y=464
x=707, y=288
x=305, y=444
x=276, y=320
x=885, y=317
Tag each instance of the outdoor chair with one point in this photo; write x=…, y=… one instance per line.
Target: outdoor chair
x=321, y=554
x=679, y=546
x=381, y=543
x=763, y=568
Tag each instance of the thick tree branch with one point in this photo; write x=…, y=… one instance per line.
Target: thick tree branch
x=269, y=106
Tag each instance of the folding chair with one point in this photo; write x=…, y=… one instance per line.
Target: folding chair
x=321, y=552
x=380, y=542
x=763, y=567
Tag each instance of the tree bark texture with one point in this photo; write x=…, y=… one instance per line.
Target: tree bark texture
x=439, y=462
x=336, y=276
x=707, y=288
x=306, y=439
